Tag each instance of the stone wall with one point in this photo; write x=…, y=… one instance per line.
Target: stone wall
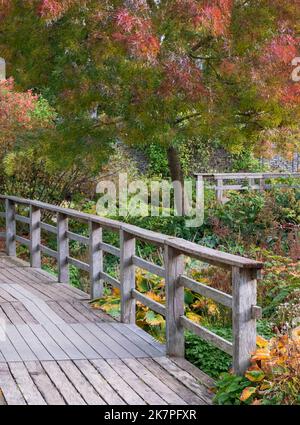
x=279, y=163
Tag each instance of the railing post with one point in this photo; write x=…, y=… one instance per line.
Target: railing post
x=10, y=211
x=262, y=184
x=127, y=277
x=244, y=282
x=62, y=248
x=174, y=266
x=35, y=237
x=96, y=260
x=220, y=192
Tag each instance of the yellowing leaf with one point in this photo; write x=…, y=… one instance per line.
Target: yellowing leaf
x=193, y=316
x=255, y=375
x=154, y=296
x=261, y=342
x=154, y=319
x=247, y=393
x=261, y=354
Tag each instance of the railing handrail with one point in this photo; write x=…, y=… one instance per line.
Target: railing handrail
x=190, y=248
x=245, y=273
x=235, y=176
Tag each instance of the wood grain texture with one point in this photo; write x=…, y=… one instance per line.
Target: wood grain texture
x=35, y=237
x=127, y=277
x=62, y=248
x=244, y=324
x=174, y=265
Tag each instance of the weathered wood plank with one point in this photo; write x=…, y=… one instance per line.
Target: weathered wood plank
x=117, y=383
x=82, y=385
x=185, y=378
x=98, y=346
x=62, y=383
x=94, y=376
x=48, y=251
x=19, y=343
x=86, y=349
x=137, y=340
x=150, y=267
x=78, y=238
x=185, y=393
x=110, y=249
x=26, y=384
x=43, y=383
x=111, y=280
x=135, y=382
x=207, y=335
x=153, y=305
x=22, y=241
x=194, y=371
x=122, y=340
x=108, y=341
x=154, y=382
x=160, y=347
x=206, y=291
x=12, y=314
x=11, y=391
x=34, y=343
x=48, y=342
x=61, y=312
x=49, y=228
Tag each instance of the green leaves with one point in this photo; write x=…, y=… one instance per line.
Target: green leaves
x=229, y=388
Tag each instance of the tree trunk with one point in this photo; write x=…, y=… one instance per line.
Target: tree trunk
x=177, y=176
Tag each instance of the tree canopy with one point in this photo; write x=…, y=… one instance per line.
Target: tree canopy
x=158, y=71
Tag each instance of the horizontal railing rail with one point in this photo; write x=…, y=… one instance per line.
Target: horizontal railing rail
x=245, y=273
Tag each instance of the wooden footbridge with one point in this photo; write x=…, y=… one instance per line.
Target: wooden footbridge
x=56, y=349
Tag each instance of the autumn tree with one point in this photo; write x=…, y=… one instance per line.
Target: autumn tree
x=159, y=71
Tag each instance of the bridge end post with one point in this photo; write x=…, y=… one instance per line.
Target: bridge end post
x=174, y=266
x=62, y=248
x=244, y=282
x=35, y=237
x=96, y=260
x=127, y=273
x=10, y=214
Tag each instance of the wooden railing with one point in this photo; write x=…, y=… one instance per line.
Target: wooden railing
x=243, y=181
x=245, y=273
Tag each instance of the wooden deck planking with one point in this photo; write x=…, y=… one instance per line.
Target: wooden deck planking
x=58, y=350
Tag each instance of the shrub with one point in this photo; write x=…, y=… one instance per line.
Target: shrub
x=272, y=378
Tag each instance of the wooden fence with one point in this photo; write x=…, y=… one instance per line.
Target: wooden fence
x=244, y=181
x=244, y=272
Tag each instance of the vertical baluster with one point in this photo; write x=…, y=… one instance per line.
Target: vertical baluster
x=174, y=266
x=96, y=260
x=220, y=191
x=244, y=282
x=10, y=228
x=62, y=248
x=127, y=273
x=35, y=237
